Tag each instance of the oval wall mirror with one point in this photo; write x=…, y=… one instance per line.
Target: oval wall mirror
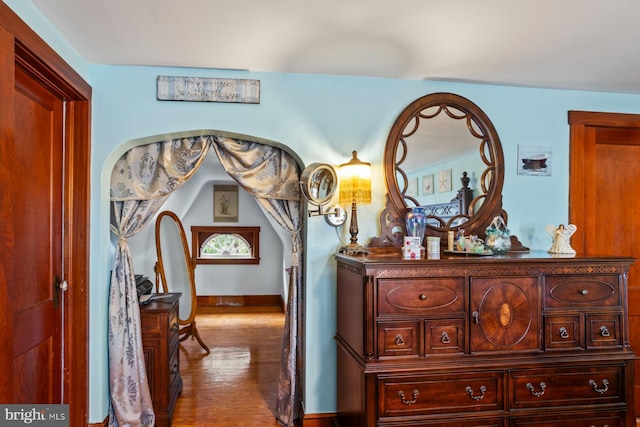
x=175, y=269
x=444, y=154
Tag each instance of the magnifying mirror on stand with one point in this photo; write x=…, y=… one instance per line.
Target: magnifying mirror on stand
x=319, y=182
x=176, y=270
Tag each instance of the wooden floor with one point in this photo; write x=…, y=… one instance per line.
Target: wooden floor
x=236, y=384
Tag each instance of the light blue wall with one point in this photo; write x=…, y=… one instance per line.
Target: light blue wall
x=322, y=119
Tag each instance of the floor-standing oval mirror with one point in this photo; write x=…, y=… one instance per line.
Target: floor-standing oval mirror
x=175, y=269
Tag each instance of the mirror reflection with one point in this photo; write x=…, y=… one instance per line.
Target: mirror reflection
x=439, y=155
x=319, y=182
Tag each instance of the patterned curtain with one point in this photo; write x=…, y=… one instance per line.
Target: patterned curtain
x=273, y=177
x=141, y=181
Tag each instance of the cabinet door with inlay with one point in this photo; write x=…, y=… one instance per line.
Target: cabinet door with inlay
x=505, y=314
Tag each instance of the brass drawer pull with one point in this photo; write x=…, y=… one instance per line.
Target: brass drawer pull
x=444, y=338
x=423, y=297
x=531, y=389
x=583, y=292
x=604, y=331
x=399, y=340
x=411, y=401
x=469, y=390
x=605, y=386
x=564, y=334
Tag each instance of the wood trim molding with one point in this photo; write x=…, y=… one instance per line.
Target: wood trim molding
x=239, y=300
x=104, y=423
x=318, y=420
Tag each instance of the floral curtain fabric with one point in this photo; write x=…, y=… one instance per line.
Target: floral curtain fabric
x=141, y=181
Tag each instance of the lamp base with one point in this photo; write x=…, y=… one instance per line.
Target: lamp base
x=353, y=249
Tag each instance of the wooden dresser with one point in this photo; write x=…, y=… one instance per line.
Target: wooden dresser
x=159, y=320
x=520, y=340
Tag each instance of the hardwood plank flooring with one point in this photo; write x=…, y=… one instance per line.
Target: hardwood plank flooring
x=235, y=385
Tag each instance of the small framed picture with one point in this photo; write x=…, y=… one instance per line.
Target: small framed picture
x=444, y=180
x=225, y=203
x=427, y=184
x=412, y=187
x=534, y=160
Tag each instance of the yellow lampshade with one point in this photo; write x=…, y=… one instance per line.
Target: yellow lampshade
x=355, y=181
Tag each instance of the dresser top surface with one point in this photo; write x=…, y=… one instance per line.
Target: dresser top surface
x=444, y=258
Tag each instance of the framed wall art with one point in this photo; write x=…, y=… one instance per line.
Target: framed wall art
x=412, y=187
x=427, y=184
x=225, y=203
x=534, y=160
x=444, y=181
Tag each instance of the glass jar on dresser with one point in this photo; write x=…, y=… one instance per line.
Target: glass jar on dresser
x=524, y=339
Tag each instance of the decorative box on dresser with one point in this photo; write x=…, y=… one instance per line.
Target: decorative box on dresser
x=159, y=322
x=524, y=339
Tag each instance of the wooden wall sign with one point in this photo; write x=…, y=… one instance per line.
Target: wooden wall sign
x=171, y=88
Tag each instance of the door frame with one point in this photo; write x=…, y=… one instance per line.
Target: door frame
x=34, y=56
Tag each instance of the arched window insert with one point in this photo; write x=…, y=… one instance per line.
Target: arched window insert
x=225, y=245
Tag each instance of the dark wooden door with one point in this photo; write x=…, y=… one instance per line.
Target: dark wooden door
x=37, y=249
x=505, y=314
x=44, y=223
x=604, y=201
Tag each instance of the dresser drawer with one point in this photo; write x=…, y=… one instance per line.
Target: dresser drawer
x=444, y=336
x=398, y=339
x=582, y=291
x=420, y=296
x=586, y=385
x=564, y=332
x=440, y=393
x=604, y=330
x=573, y=420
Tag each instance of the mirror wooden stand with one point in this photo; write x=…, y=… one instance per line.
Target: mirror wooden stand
x=176, y=270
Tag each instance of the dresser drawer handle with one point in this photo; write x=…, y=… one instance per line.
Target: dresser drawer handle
x=531, y=389
x=564, y=334
x=423, y=297
x=583, y=292
x=444, y=338
x=604, y=331
x=399, y=340
x=409, y=402
x=605, y=386
x=469, y=390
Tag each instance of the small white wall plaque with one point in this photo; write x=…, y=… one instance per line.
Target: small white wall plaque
x=173, y=88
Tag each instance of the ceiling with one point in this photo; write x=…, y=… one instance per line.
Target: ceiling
x=570, y=44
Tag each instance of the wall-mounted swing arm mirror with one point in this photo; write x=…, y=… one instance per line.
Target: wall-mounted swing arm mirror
x=435, y=140
x=319, y=183
x=176, y=270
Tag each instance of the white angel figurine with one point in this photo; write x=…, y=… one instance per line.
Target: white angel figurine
x=561, y=236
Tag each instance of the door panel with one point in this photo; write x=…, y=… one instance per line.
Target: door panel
x=603, y=198
x=37, y=314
